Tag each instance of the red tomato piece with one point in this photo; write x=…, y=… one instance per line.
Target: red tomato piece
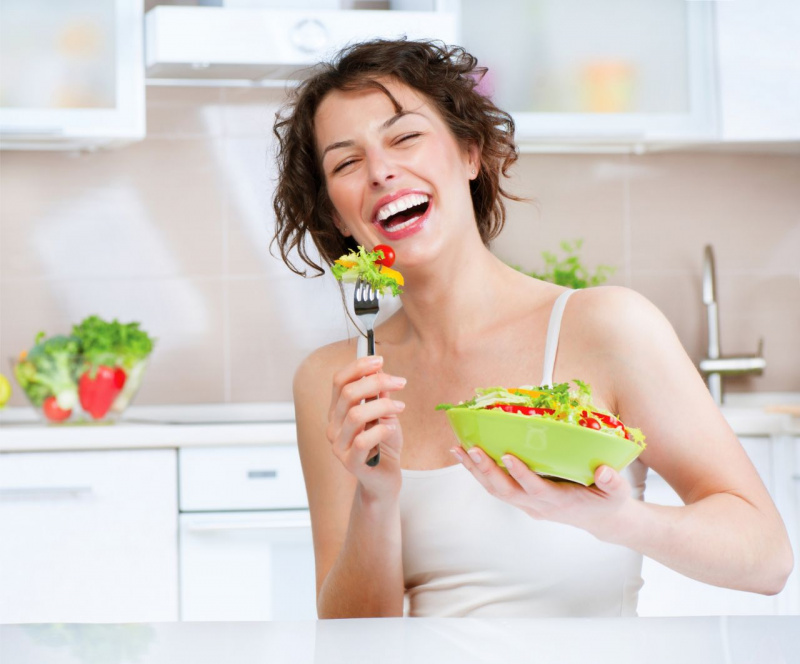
x=590, y=423
x=388, y=255
x=53, y=412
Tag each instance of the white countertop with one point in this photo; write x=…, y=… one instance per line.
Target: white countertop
x=153, y=427
x=706, y=640
x=21, y=430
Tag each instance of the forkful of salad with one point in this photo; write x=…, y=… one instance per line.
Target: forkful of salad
x=373, y=275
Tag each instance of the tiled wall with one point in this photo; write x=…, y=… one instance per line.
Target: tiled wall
x=174, y=232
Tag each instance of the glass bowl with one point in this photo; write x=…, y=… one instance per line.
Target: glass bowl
x=80, y=416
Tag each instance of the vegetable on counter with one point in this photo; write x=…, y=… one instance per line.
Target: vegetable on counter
x=47, y=374
x=556, y=402
x=113, y=360
x=372, y=267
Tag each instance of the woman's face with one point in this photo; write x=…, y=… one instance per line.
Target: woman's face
x=395, y=178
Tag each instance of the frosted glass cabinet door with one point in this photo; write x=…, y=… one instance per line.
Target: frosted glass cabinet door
x=88, y=536
x=615, y=68
x=72, y=74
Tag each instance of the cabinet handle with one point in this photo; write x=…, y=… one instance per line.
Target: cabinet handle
x=45, y=492
x=268, y=474
x=209, y=526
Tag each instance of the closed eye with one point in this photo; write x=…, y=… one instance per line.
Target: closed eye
x=407, y=137
x=343, y=165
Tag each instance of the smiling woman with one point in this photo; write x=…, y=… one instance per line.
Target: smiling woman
x=392, y=143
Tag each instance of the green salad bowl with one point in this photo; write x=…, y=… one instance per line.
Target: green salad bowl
x=548, y=447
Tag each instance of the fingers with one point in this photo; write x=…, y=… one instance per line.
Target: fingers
x=488, y=473
x=610, y=482
x=357, y=381
x=357, y=418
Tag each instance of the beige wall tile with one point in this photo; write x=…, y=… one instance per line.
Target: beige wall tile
x=184, y=315
x=572, y=197
x=152, y=209
x=274, y=324
x=747, y=206
x=174, y=112
x=251, y=111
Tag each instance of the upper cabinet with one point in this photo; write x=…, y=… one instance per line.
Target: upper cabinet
x=72, y=75
x=758, y=51
x=262, y=45
x=613, y=72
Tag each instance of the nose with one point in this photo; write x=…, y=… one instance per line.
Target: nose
x=381, y=169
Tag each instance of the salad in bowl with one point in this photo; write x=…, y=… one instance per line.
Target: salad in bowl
x=556, y=431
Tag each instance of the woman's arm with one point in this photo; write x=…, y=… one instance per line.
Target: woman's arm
x=354, y=508
x=729, y=532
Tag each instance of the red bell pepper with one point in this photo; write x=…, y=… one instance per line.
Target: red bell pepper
x=98, y=387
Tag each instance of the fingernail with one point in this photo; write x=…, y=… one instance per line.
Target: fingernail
x=399, y=405
x=397, y=381
x=454, y=451
x=604, y=475
x=474, y=455
x=508, y=461
x=375, y=360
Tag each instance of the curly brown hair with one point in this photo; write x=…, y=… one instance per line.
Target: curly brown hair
x=445, y=75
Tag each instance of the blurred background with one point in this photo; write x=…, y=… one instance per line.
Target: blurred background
x=137, y=172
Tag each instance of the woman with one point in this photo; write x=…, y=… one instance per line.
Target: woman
x=432, y=528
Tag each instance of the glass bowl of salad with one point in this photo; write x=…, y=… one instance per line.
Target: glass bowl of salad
x=555, y=431
x=90, y=375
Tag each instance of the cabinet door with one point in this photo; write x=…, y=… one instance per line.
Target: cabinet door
x=608, y=70
x=73, y=73
x=758, y=49
x=247, y=566
x=88, y=536
x=668, y=593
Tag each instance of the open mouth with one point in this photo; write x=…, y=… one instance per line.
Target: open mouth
x=402, y=212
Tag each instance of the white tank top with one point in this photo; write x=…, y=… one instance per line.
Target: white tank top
x=466, y=553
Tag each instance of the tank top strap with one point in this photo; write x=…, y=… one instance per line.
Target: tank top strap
x=551, y=343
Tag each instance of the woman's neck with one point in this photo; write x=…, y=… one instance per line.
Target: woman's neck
x=449, y=307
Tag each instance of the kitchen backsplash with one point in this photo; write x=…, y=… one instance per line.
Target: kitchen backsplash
x=174, y=232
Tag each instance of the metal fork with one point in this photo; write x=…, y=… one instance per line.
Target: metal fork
x=365, y=305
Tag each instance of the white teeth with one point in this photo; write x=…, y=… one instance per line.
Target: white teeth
x=400, y=204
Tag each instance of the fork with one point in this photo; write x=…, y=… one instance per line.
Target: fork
x=365, y=305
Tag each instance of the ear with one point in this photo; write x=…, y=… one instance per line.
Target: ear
x=340, y=225
x=473, y=162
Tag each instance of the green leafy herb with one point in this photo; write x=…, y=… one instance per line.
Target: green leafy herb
x=112, y=344
x=569, y=271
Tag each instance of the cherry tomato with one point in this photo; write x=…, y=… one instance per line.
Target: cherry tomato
x=53, y=412
x=388, y=255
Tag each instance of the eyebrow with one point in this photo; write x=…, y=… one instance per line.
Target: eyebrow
x=386, y=125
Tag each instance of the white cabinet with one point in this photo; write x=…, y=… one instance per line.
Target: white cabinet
x=610, y=71
x=668, y=593
x=73, y=74
x=758, y=50
x=245, y=533
x=88, y=536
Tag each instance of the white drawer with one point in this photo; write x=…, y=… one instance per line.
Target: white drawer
x=241, y=478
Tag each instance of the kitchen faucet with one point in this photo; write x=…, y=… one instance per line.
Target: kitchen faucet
x=715, y=365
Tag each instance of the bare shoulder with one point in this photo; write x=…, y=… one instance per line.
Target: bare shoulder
x=318, y=368
x=629, y=342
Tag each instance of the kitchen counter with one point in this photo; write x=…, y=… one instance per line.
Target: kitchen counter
x=154, y=427
x=709, y=640
x=21, y=430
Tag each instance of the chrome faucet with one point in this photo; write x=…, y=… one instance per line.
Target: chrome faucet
x=715, y=365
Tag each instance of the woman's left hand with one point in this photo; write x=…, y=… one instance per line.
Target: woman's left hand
x=598, y=509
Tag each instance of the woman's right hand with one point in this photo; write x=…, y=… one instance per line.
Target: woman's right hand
x=355, y=428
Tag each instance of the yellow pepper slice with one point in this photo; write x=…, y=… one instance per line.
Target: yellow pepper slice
x=531, y=393
x=393, y=274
